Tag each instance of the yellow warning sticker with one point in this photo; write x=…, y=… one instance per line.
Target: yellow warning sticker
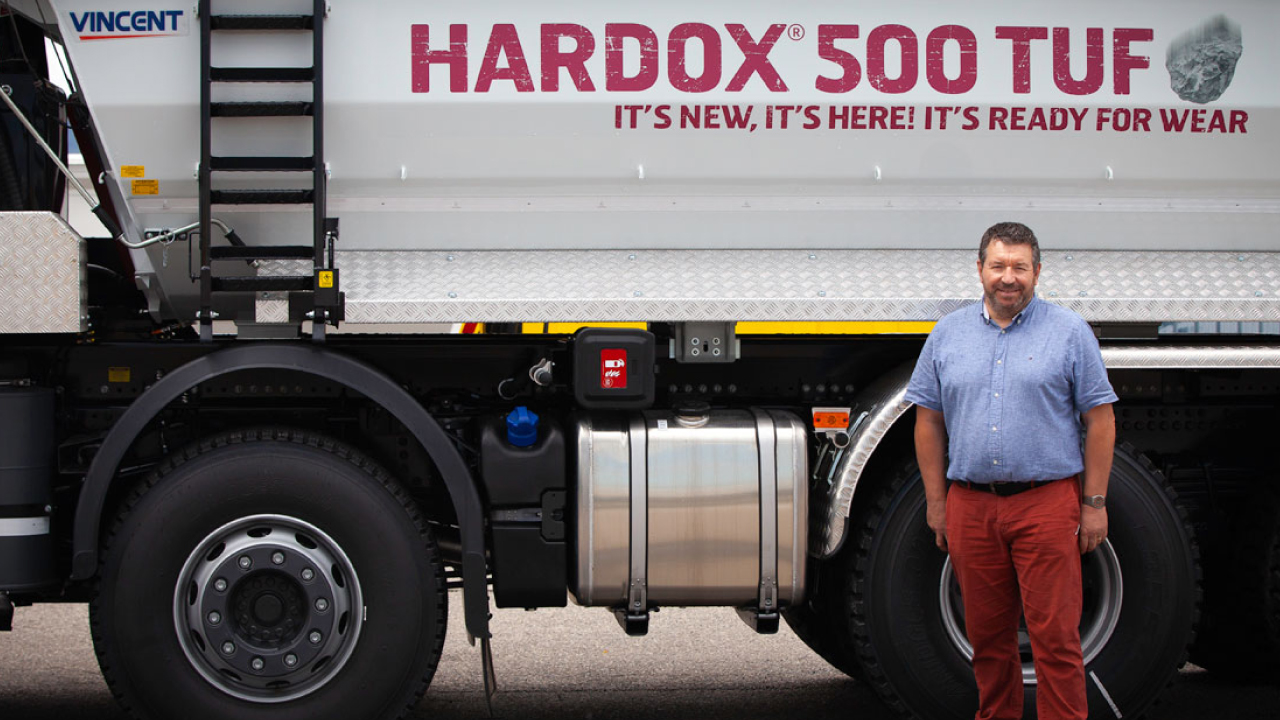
x=326, y=278
x=133, y=171
x=119, y=374
x=146, y=187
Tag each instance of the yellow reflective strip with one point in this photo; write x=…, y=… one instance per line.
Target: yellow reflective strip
x=571, y=328
x=834, y=328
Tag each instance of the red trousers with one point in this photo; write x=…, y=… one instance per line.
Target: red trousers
x=1020, y=556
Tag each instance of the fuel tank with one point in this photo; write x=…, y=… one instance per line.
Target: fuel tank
x=701, y=507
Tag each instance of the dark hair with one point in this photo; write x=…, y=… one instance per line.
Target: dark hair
x=1009, y=233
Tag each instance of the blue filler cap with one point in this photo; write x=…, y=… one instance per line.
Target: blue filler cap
x=522, y=427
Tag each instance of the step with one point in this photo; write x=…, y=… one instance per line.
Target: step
x=262, y=164
x=251, y=283
x=262, y=74
x=262, y=109
x=263, y=252
x=262, y=22
x=262, y=197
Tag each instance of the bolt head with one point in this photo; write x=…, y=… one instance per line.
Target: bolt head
x=220, y=585
x=277, y=557
x=215, y=617
x=315, y=637
x=322, y=604
x=245, y=562
x=308, y=574
x=290, y=660
x=257, y=663
x=228, y=648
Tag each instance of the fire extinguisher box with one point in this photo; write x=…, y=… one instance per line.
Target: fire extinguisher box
x=613, y=368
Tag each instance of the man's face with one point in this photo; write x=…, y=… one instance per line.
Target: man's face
x=1008, y=278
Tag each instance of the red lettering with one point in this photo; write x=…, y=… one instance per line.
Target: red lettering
x=935, y=46
x=971, y=121
x=850, y=70
x=1197, y=121
x=663, y=113
x=504, y=40
x=1021, y=38
x=999, y=118
x=812, y=121
x=1218, y=123
x=1174, y=120
x=1122, y=63
x=1238, y=119
x=878, y=117
x=1062, y=76
x=615, y=77
x=908, y=45
x=677, y=56
x=423, y=57
x=575, y=61
x=756, y=58
x=1141, y=120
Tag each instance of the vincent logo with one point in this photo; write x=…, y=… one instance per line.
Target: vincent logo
x=120, y=24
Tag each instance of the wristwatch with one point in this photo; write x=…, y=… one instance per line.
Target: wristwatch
x=1097, y=502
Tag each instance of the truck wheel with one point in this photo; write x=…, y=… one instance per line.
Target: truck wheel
x=1240, y=637
x=269, y=574
x=820, y=620
x=1141, y=600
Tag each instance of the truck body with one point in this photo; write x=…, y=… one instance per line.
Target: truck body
x=704, y=247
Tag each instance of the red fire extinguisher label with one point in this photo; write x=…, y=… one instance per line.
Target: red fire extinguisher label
x=613, y=368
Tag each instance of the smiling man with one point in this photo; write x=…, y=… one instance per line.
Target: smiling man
x=1005, y=390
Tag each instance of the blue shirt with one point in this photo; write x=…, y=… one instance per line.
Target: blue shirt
x=1012, y=398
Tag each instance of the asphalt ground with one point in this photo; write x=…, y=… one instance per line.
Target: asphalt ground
x=573, y=663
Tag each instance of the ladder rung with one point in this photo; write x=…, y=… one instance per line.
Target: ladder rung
x=262, y=74
x=262, y=22
x=262, y=197
x=260, y=109
x=263, y=252
x=262, y=164
x=261, y=284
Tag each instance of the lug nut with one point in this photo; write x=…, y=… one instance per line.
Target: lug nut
x=322, y=604
x=246, y=562
x=308, y=574
x=277, y=557
x=220, y=585
x=228, y=648
x=215, y=617
x=315, y=637
x=290, y=660
x=257, y=663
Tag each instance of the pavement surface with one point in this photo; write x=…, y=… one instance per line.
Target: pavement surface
x=568, y=664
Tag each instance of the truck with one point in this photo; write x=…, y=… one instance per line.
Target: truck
x=703, y=244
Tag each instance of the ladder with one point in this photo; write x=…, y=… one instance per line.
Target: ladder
x=321, y=283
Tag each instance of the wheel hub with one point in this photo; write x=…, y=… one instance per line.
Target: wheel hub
x=1103, y=586
x=268, y=608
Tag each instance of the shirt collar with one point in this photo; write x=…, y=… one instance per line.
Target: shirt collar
x=1025, y=313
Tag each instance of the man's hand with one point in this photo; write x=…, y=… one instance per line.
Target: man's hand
x=936, y=516
x=931, y=449
x=1093, y=528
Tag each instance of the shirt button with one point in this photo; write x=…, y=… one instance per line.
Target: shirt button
x=995, y=462
x=997, y=394
x=993, y=428
x=999, y=362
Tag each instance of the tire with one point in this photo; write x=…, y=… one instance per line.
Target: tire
x=274, y=547
x=819, y=622
x=1240, y=637
x=1141, y=602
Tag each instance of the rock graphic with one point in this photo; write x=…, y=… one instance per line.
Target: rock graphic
x=1202, y=61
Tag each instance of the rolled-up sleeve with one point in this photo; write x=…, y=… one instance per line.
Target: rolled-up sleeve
x=924, y=389
x=1091, y=387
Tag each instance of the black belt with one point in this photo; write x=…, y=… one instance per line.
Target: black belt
x=1004, y=489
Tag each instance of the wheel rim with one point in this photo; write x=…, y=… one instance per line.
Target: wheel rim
x=268, y=608
x=1103, y=597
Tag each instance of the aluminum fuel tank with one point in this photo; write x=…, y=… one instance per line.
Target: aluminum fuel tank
x=691, y=508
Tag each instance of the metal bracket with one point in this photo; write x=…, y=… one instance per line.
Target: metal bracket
x=705, y=342
x=634, y=618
